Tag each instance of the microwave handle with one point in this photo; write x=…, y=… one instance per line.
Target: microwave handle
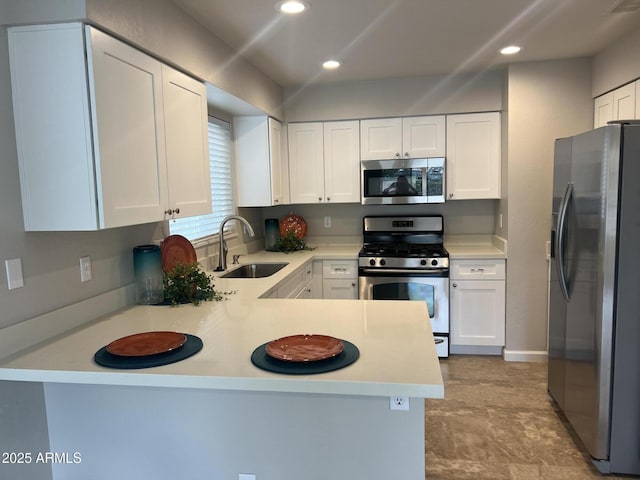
x=424, y=181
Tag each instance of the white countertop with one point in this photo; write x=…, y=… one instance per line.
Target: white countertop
x=462, y=247
x=397, y=353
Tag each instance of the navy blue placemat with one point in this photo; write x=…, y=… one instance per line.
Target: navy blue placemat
x=192, y=346
x=261, y=360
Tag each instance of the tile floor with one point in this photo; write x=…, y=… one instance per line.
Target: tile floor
x=497, y=422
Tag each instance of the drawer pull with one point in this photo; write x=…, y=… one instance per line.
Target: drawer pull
x=480, y=270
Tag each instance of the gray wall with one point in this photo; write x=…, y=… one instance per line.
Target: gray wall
x=546, y=100
x=617, y=65
x=395, y=97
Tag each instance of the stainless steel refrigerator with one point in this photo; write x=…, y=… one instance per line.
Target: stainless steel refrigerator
x=594, y=298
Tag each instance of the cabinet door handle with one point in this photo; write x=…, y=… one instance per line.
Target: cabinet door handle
x=398, y=155
x=319, y=199
x=353, y=284
x=406, y=154
x=454, y=285
x=177, y=210
x=168, y=212
x=328, y=199
x=451, y=195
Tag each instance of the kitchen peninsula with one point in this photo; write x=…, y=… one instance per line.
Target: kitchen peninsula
x=216, y=415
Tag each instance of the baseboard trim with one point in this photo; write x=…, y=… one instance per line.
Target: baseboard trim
x=525, y=355
x=28, y=333
x=475, y=350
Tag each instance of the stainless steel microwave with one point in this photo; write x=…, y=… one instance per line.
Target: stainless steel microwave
x=403, y=181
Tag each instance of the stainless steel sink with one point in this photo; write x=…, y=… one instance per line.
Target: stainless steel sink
x=255, y=270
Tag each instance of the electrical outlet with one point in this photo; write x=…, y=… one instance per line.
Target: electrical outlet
x=399, y=403
x=85, y=269
x=327, y=222
x=14, y=273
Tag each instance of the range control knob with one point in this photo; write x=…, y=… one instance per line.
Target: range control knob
x=372, y=262
x=434, y=262
x=383, y=261
x=423, y=262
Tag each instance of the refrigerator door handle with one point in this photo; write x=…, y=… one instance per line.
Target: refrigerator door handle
x=560, y=241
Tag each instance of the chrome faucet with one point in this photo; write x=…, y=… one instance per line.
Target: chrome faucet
x=222, y=253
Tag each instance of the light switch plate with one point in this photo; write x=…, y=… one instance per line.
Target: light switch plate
x=14, y=273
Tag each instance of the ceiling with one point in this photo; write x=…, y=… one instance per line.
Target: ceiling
x=378, y=39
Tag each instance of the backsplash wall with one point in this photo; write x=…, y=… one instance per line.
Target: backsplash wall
x=461, y=217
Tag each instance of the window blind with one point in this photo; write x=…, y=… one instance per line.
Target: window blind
x=195, y=228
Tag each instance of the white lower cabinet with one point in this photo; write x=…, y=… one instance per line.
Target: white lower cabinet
x=340, y=279
x=296, y=285
x=477, y=306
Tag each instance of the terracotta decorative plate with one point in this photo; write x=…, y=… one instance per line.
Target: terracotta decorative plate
x=147, y=343
x=176, y=249
x=293, y=222
x=304, y=348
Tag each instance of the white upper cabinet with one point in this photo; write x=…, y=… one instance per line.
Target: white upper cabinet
x=342, y=162
x=261, y=165
x=102, y=157
x=423, y=137
x=381, y=138
x=603, y=110
x=324, y=163
x=409, y=137
x=187, y=143
x=306, y=162
x=621, y=104
x=473, y=156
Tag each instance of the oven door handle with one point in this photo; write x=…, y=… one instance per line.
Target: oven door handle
x=381, y=272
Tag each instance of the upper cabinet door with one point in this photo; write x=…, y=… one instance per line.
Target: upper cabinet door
x=473, y=156
x=342, y=161
x=128, y=127
x=624, y=102
x=306, y=162
x=603, y=110
x=278, y=184
x=424, y=136
x=381, y=138
x=262, y=177
x=187, y=142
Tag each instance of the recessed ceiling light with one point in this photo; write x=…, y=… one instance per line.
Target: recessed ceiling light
x=292, y=6
x=510, y=50
x=331, y=64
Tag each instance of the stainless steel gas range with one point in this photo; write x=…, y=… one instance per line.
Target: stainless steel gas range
x=403, y=258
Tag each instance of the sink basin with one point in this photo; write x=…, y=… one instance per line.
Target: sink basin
x=255, y=270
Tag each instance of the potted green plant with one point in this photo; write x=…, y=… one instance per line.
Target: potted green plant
x=188, y=283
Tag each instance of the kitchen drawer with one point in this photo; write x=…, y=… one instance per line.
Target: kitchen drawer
x=477, y=269
x=340, y=288
x=339, y=269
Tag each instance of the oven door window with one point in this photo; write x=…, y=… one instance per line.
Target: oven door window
x=406, y=291
x=394, y=182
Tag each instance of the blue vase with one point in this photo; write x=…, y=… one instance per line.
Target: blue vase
x=271, y=233
x=147, y=266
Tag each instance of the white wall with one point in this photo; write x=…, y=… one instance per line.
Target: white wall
x=546, y=100
x=617, y=65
